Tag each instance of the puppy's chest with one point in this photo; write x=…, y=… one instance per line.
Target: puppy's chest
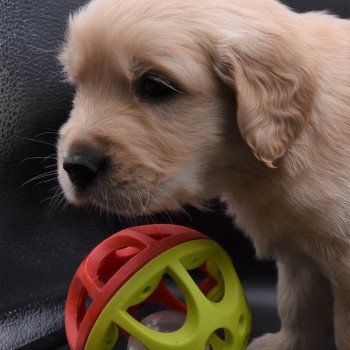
x=255, y=218
x=272, y=226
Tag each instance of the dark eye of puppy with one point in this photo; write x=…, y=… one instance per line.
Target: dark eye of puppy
x=153, y=88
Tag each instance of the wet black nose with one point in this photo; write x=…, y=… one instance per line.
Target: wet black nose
x=82, y=167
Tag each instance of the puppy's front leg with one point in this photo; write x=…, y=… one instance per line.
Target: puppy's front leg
x=341, y=290
x=305, y=308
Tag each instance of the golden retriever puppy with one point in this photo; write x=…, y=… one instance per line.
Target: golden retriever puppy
x=178, y=101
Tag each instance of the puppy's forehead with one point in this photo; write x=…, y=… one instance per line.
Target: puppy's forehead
x=129, y=44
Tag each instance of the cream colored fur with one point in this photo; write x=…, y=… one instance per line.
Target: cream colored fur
x=262, y=121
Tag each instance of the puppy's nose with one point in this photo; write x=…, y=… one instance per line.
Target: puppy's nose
x=82, y=168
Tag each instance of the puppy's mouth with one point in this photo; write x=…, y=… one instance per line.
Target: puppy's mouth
x=120, y=198
x=91, y=179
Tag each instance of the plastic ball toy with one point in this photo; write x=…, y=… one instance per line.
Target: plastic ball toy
x=158, y=287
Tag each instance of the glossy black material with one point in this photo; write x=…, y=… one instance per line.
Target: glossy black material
x=41, y=242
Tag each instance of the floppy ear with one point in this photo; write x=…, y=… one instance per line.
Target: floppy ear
x=272, y=77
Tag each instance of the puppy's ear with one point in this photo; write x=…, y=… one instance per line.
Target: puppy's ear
x=273, y=80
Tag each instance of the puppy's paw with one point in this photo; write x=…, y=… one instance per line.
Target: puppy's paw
x=277, y=341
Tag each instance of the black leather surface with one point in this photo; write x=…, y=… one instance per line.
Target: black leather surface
x=338, y=7
x=41, y=245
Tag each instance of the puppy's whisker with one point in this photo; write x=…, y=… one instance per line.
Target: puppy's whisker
x=51, y=156
x=98, y=206
x=107, y=203
x=47, y=133
x=55, y=188
x=94, y=205
x=56, y=74
x=150, y=217
x=176, y=203
x=162, y=210
x=134, y=215
x=184, y=211
x=65, y=205
x=60, y=202
x=148, y=194
x=115, y=206
x=55, y=197
x=129, y=199
x=49, y=180
x=57, y=193
x=168, y=216
x=50, y=173
x=39, y=141
x=127, y=218
x=143, y=208
x=54, y=51
x=124, y=204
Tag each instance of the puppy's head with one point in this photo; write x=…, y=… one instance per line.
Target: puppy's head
x=172, y=98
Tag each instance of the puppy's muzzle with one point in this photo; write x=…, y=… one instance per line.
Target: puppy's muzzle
x=83, y=167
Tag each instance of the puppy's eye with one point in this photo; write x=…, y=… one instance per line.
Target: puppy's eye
x=154, y=87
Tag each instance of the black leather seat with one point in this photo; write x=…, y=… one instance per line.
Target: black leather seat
x=42, y=241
